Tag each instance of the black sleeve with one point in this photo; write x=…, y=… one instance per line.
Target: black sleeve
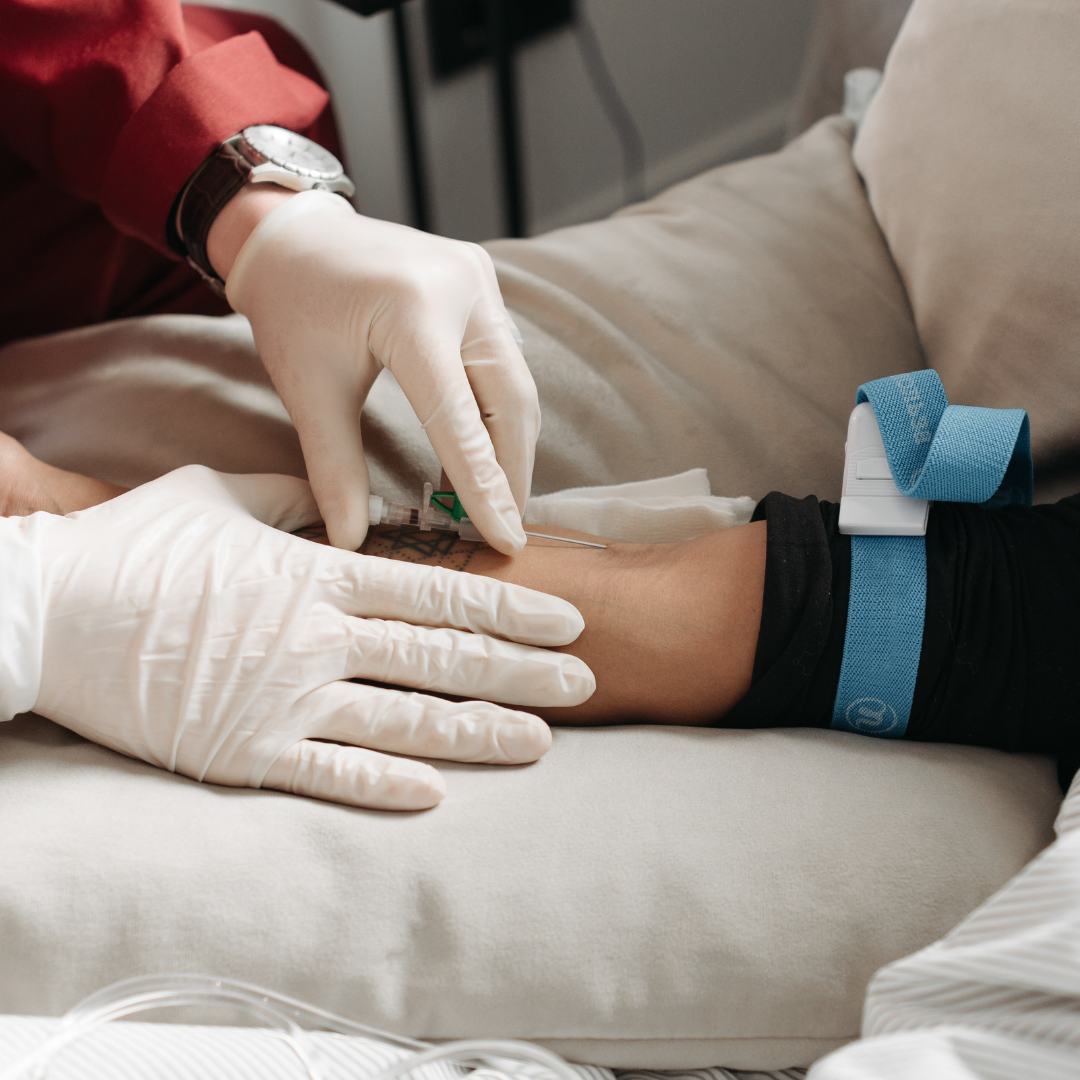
x=803, y=616
x=1000, y=660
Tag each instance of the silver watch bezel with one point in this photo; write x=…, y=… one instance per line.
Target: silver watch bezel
x=259, y=153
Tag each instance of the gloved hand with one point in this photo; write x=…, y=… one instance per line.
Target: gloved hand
x=175, y=625
x=333, y=297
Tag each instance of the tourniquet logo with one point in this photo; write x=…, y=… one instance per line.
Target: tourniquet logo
x=870, y=715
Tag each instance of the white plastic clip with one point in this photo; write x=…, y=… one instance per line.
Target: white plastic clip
x=870, y=503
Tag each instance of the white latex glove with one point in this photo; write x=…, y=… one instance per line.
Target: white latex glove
x=333, y=297
x=173, y=625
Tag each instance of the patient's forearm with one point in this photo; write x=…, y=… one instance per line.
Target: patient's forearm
x=674, y=632
x=670, y=629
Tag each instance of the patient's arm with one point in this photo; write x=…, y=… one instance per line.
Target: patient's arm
x=670, y=629
x=28, y=485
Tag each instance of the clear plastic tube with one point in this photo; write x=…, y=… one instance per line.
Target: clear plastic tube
x=288, y=1019
x=147, y=993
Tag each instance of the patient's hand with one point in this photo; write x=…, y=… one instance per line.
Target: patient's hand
x=28, y=485
x=670, y=629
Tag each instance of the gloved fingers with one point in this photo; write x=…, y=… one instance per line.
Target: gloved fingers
x=515, y=332
x=355, y=776
x=468, y=665
x=429, y=370
x=491, y=279
x=326, y=413
x=506, y=394
x=368, y=587
x=419, y=725
x=283, y=502
x=493, y=354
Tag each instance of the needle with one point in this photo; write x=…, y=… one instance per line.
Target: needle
x=565, y=539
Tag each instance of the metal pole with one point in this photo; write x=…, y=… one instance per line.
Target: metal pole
x=421, y=206
x=501, y=49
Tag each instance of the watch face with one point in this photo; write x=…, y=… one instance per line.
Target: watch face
x=292, y=151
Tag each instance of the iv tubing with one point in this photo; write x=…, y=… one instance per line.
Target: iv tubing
x=283, y=1014
x=162, y=991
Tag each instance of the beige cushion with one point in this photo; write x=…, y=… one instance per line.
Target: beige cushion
x=971, y=155
x=725, y=323
x=640, y=897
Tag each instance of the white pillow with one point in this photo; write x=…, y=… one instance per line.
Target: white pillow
x=650, y=897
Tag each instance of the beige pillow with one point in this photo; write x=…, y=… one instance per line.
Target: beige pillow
x=725, y=323
x=671, y=898
x=971, y=155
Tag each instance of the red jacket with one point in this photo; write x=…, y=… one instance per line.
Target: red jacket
x=108, y=106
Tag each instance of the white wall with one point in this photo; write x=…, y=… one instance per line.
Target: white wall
x=706, y=80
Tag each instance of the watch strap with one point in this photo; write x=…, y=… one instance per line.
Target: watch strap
x=211, y=186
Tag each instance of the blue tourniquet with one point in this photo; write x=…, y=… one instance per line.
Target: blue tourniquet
x=948, y=453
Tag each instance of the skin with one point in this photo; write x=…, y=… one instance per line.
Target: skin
x=28, y=485
x=670, y=629
x=236, y=220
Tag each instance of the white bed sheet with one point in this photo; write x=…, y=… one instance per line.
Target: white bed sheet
x=998, y=998
x=177, y=1052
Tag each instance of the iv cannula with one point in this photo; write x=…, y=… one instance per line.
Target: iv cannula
x=431, y=516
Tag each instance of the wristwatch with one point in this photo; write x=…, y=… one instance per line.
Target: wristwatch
x=263, y=153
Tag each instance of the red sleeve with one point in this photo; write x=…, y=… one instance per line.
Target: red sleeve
x=118, y=101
